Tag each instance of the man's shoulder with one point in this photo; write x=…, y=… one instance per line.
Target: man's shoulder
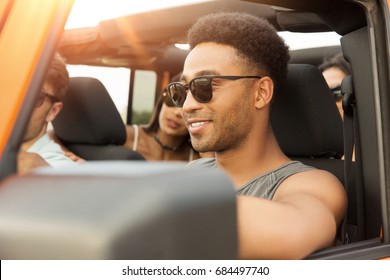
x=50, y=151
x=41, y=144
x=203, y=162
x=318, y=182
x=313, y=174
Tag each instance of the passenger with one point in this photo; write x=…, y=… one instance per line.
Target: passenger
x=165, y=137
x=38, y=149
x=285, y=210
x=335, y=69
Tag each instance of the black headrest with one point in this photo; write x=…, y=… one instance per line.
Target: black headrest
x=89, y=115
x=304, y=115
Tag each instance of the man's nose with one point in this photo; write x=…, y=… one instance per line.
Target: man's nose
x=190, y=104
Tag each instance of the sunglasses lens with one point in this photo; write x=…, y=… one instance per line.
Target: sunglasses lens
x=178, y=93
x=167, y=100
x=336, y=92
x=201, y=89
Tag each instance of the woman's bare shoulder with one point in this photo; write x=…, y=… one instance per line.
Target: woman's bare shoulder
x=130, y=132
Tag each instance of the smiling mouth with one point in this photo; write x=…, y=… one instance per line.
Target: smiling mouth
x=197, y=124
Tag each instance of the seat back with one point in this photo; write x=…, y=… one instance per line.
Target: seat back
x=306, y=121
x=309, y=128
x=89, y=123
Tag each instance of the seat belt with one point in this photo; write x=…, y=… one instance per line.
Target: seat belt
x=358, y=182
x=349, y=106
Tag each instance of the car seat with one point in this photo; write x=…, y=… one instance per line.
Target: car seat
x=89, y=124
x=309, y=128
x=305, y=118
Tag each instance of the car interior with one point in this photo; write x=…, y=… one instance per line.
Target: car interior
x=90, y=125
x=304, y=117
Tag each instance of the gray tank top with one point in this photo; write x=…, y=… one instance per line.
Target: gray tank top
x=264, y=185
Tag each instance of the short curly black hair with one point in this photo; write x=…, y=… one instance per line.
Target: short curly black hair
x=254, y=39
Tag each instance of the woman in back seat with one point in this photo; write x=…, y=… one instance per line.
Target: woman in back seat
x=165, y=137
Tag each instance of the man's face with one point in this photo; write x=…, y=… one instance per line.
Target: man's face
x=41, y=115
x=223, y=123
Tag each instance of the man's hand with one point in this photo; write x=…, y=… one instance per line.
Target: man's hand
x=73, y=157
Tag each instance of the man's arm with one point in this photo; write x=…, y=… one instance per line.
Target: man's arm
x=302, y=218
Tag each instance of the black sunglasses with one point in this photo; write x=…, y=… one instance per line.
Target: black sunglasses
x=201, y=88
x=41, y=97
x=336, y=93
x=167, y=100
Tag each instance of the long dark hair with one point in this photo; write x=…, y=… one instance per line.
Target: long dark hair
x=153, y=124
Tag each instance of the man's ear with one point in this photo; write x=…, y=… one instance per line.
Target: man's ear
x=54, y=110
x=264, y=93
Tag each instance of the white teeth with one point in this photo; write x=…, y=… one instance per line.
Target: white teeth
x=197, y=124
